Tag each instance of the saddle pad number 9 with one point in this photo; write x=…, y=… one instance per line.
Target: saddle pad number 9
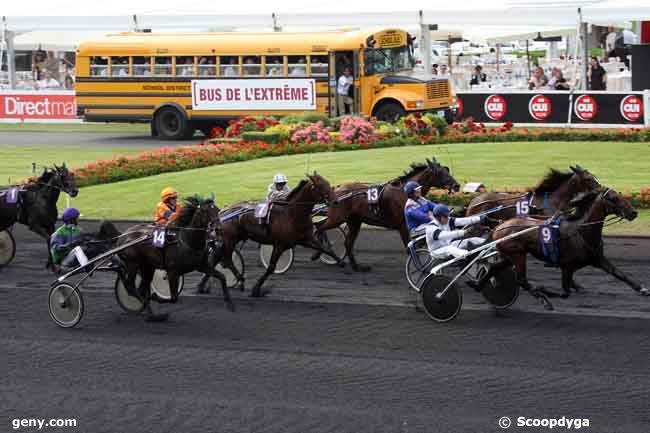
x=158, y=238
x=547, y=235
x=12, y=196
x=373, y=195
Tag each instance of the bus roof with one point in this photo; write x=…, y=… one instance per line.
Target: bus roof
x=208, y=43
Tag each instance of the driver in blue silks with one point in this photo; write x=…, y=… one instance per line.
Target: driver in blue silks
x=418, y=211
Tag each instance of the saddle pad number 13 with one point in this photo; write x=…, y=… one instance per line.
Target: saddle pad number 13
x=158, y=238
x=373, y=195
x=12, y=196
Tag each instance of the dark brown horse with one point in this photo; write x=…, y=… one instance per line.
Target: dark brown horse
x=186, y=249
x=36, y=204
x=290, y=224
x=353, y=207
x=552, y=194
x=580, y=242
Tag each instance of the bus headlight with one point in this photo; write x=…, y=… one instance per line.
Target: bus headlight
x=414, y=104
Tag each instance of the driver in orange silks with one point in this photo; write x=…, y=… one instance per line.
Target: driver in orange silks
x=167, y=209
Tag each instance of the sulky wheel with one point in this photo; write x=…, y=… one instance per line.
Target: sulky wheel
x=7, y=248
x=335, y=239
x=126, y=301
x=441, y=308
x=418, y=268
x=238, y=262
x=502, y=289
x=284, y=262
x=66, y=305
x=160, y=284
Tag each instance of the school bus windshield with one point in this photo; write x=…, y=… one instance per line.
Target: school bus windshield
x=383, y=60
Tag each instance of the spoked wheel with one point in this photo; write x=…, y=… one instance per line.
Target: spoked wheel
x=284, y=262
x=502, y=289
x=130, y=304
x=238, y=262
x=160, y=284
x=335, y=239
x=7, y=248
x=66, y=305
x=418, y=268
x=441, y=308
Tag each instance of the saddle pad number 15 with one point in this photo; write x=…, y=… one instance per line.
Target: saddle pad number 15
x=12, y=196
x=523, y=208
x=158, y=238
x=373, y=195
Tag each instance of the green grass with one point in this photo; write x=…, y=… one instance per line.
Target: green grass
x=16, y=161
x=498, y=165
x=75, y=127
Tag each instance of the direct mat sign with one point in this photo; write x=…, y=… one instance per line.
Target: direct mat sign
x=26, y=106
x=254, y=94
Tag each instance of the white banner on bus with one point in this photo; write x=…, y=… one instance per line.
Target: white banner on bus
x=254, y=94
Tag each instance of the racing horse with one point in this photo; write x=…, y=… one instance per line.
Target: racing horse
x=289, y=224
x=35, y=204
x=580, y=242
x=553, y=193
x=353, y=207
x=186, y=248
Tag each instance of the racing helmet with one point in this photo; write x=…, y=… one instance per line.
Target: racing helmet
x=168, y=193
x=280, y=178
x=411, y=186
x=70, y=214
x=441, y=210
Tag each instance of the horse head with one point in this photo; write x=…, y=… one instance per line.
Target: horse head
x=441, y=176
x=64, y=180
x=322, y=188
x=612, y=203
x=582, y=180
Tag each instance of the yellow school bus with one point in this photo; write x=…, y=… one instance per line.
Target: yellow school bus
x=149, y=77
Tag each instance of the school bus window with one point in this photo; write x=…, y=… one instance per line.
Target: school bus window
x=185, y=66
x=163, y=66
x=229, y=66
x=318, y=66
x=98, y=66
x=119, y=66
x=207, y=67
x=252, y=65
x=274, y=66
x=297, y=66
x=141, y=66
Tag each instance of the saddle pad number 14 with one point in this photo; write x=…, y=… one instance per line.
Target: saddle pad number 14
x=158, y=238
x=373, y=195
x=11, y=196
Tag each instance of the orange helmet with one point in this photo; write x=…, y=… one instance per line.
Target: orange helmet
x=168, y=193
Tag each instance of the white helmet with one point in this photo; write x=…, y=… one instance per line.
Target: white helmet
x=280, y=178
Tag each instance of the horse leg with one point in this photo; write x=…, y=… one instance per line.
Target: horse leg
x=316, y=244
x=146, y=273
x=567, y=281
x=577, y=287
x=607, y=266
x=275, y=256
x=353, y=231
x=322, y=227
x=211, y=272
x=520, y=269
x=203, y=287
x=228, y=263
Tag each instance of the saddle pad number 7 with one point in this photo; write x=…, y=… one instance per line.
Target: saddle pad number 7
x=12, y=196
x=158, y=238
x=373, y=195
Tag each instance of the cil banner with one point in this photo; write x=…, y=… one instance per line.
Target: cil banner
x=599, y=108
x=38, y=106
x=254, y=94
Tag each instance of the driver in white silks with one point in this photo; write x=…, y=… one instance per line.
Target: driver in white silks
x=278, y=189
x=444, y=239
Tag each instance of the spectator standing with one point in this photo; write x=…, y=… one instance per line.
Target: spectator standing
x=597, y=75
x=52, y=64
x=538, y=79
x=478, y=76
x=557, y=81
x=69, y=82
x=343, y=90
x=47, y=82
x=610, y=42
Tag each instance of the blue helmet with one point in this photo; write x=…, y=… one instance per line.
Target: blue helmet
x=411, y=186
x=441, y=210
x=70, y=214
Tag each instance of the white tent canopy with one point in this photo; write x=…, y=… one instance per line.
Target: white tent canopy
x=166, y=14
x=53, y=40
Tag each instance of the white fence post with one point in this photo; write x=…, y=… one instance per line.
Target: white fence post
x=646, y=108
